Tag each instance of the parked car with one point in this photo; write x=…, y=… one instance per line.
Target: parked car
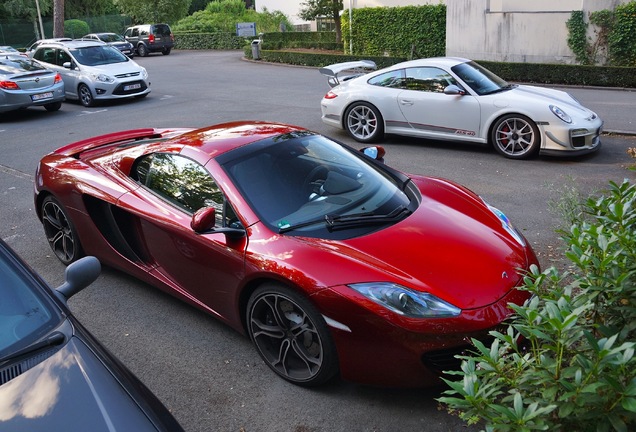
x=31, y=49
x=328, y=259
x=7, y=49
x=25, y=83
x=459, y=100
x=94, y=71
x=54, y=375
x=113, y=39
x=148, y=38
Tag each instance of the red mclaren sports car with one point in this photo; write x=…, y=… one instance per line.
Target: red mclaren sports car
x=331, y=261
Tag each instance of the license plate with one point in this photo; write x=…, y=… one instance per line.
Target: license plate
x=132, y=87
x=41, y=96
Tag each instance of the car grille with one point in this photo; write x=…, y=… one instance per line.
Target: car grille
x=127, y=75
x=120, y=89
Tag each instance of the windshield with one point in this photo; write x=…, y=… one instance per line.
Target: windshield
x=15, y=65
x=480, y=79
x=305, y=184
x=111, y=37
x=26, y=314
x=98, y=55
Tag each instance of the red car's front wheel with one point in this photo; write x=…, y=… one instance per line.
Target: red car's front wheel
x=291, y=335
x=60, y=232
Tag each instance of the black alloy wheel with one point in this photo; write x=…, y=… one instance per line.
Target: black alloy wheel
x=60, y=232
x=291, y=335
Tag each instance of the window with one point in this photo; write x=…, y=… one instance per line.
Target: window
x=181, y=181
x=393, y=79
x=428, y=79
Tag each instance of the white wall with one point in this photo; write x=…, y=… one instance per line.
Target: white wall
x=514, y=30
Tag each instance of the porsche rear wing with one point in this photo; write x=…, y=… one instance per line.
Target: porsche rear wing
x=353, y=68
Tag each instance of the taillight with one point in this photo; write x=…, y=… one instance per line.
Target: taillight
x=9, y=85
x=171, y=37
x=151, y=38
x=331, y=95
x=58, y=78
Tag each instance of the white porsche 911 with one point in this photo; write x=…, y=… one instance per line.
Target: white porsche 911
x=457, y=99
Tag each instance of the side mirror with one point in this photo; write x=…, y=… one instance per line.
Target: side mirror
x=375, y=152
x=78, y=276
x=67, y=65
x=204, y=222
x=454, y=90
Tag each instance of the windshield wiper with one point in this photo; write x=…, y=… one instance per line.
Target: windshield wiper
x=54, y=339
x=346, y=221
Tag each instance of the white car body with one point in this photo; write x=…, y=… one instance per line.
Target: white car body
x=519, y=120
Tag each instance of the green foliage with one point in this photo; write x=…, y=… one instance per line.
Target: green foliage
x=215, y=41
x=566, y=363
x=622, y=39
x=154, y=11
x=312, y=9
x=280, y=40
x=75, y=28
x=411, y=31
x=222, y=16
x=25, y=8
x=577, y=37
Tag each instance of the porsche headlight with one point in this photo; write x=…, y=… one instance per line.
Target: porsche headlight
x=103, y=78
x=506, y=224
x=560, y=114
x=407, y=302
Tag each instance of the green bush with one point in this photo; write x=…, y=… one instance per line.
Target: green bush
x=75, y=28
x=622, y=39
x=411, y=31
x=566, y=363
x=215, y=41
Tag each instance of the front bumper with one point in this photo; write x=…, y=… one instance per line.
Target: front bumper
x=118, y=89
x=377, y=347
x=581, y=137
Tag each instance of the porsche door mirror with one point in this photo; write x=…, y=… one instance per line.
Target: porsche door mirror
x=454, y=90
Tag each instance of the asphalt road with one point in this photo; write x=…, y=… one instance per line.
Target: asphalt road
x=208, y=375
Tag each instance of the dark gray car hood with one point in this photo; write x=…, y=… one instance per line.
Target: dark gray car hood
x=70, y=391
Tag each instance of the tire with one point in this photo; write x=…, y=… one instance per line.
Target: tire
x=60, y=232
x=142, y=50
x=55, y=106
x=166, y=51
x=515, y=136
x=364, y=122
x=291, y=336
x=85, y=95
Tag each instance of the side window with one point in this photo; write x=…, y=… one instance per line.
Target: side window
x=62, y=57
x=393, y=79
x=180, y=181
x=46, y=55
x=135, y=32
x=428, y=79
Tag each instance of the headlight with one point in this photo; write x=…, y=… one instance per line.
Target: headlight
x=144, y=73
x=506, y=224
x=103, y=78
x=404, y=301
x=560, y=114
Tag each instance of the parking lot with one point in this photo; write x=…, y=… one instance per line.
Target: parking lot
x=208, y=375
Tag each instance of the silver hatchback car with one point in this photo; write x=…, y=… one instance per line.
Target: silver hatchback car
x=94, y=71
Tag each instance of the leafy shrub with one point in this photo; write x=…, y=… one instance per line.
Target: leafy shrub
x=75, y=28
x=567, y=360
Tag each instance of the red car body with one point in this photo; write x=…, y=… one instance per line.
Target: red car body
x=452, y=245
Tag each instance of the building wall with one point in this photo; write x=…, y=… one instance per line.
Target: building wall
x=514, y=30
x=497, y=30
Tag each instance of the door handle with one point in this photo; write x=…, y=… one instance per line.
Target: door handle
x=406, y=102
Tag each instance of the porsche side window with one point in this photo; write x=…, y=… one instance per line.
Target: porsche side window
x=181, y=181
x=392, y=79
x=428, y=79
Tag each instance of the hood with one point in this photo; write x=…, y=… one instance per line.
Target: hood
x=452, y=246
x=531, y=95
x=115, y=69
x=69, y=391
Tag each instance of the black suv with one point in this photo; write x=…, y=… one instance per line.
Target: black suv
x=147, y=38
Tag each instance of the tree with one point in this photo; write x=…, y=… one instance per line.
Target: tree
x=27, y=9
x=313, y=9
x=58, y=18
x=154, y=11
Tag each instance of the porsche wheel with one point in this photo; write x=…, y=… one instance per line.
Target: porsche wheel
x=291, y=336
x=60, y=232
x=364, y=122
x=516, y=137
x=85, y=95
